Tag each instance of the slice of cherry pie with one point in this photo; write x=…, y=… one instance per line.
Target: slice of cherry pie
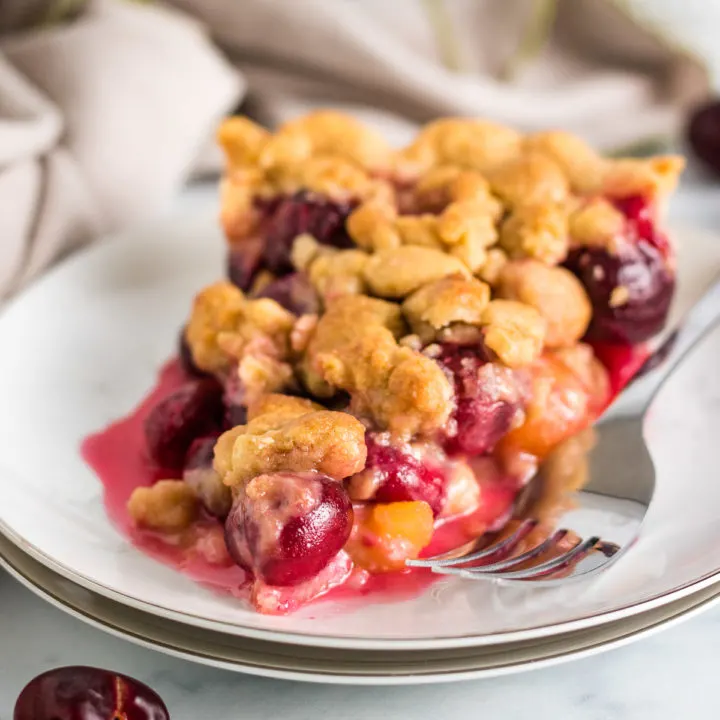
x=404, y=340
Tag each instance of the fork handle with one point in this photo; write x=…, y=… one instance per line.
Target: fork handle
x=693, y=326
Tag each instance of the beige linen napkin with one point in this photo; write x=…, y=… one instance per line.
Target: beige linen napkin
x=104, y=115
x=101, y=120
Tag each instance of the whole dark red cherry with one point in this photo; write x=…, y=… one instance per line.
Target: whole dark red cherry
x=639, y=274
x=85, y=693
x=487, y=400
x=193, y=410
x=703, y=134
x=286, y=527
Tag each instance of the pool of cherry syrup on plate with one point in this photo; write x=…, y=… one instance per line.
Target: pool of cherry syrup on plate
x=117, y=455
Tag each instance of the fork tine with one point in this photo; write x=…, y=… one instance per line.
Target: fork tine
x=501, y=549
x=574, y=555
x=538, y=550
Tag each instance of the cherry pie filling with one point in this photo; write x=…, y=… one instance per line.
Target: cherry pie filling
x=404, y=343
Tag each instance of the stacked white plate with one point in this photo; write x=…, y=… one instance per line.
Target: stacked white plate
x=82, y=347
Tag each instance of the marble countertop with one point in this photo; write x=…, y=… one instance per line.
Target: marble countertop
x=665, y=677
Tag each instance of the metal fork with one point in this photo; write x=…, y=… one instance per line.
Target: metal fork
x=620, y=488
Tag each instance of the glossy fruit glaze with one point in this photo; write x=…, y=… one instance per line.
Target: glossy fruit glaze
x=117, y=454
x=118, y=457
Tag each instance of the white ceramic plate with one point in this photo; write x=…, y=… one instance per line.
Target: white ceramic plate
x=83, y=345
x=356, y=667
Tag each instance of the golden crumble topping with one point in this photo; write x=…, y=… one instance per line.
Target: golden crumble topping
x=530, y=179
x=582, y=166
x=326, y=132
x=372, y=226
x=495, y=260
x=554, y=292
x=167, y=506
x=238, y=190
x=464, y=229
x=285, y=433
x=354, y=348
x=472, y=144
x=444, y=302
x=332, y=272
x=397, y=272
x=536, y=230
x=446, y=184
x=457, y=238
x=225, y=326
x=651, y=177
x=260, y=374
x=597, y=222
x=242, y=140
x=468, y=185
x=515, y=332
x=329, y=176
x=272, y=410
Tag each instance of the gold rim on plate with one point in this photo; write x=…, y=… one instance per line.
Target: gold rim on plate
x=315, y=664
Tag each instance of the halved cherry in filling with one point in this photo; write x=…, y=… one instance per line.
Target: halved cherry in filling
x=487, y=400
x=284, y=218
x=396, y=473
x=286, y=527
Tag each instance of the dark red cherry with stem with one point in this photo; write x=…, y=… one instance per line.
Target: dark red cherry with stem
x=286, y=527
x=193, y=410
x=703, y=134
x=400, y=476
x=85, y=693
x=487, y=400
